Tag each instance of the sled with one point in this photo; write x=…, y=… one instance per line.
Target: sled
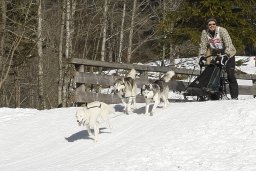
x=209, y=85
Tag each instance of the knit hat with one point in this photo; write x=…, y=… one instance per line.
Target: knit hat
x=211, y=19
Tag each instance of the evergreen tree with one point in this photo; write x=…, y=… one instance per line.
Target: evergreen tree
x=238, y=17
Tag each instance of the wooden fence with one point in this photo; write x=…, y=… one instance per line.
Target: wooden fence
x=87, y=82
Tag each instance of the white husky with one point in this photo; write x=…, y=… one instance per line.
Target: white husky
x=91, y=114
x=156, y=91
x=126, y=89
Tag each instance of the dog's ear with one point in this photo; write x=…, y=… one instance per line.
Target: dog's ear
x=147, y=87
x=151, y=86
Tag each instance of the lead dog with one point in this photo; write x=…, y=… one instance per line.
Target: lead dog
x=126, y=89
x=157, y=91
x=91, y=114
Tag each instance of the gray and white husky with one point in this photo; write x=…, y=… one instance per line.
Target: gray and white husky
x=126, y=89
x=157, y=91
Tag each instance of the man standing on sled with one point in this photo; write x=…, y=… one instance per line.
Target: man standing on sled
x=215, y=40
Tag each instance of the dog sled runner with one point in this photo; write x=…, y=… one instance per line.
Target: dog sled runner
x=209, y=85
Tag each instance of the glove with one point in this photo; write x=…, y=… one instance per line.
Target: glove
x=222, y=59
x=202, y=61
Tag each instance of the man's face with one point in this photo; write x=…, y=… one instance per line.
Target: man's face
x=212, y=26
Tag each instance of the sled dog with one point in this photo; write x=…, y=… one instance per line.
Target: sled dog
x=126, y=89
x=156, y=91
x=91, y=114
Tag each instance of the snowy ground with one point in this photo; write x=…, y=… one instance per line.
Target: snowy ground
x=185, y=136
x=191, y=136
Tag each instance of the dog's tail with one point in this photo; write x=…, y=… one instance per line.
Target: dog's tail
x=132, y=74
x=168, y=76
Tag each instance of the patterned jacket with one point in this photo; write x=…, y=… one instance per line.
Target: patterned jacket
x=229, y=48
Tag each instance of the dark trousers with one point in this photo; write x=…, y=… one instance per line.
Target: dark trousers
x=233, y=85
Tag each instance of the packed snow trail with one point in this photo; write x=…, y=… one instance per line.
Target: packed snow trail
x=211, y=135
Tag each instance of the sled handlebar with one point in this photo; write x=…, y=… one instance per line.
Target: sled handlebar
x=214, y=61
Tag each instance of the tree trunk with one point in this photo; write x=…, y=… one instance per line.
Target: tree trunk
x=72, y=27
x=164, y=46
x=174, y=7
x=31, y=95
x=119, y=59
x=17, y=88
x=129, y=51
x=172, y=54
x=60, y=82
x=2, y=32
x=67, y=55
x=70, y=11
x=111, y=42
x=41, y=97
x=104, y=35
x=2, y=37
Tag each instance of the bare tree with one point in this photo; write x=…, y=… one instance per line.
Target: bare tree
x=2, y=31
x=6, y=64
x=104, y=31
x=41, y=97
x=119, y=59
x=174, y=5
x=70, y=11
x=2, y=40
x=129, y=51
x=67, y=52
x=111, y=41
x=61, y=38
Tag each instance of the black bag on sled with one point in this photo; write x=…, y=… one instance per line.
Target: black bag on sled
x=206, y=84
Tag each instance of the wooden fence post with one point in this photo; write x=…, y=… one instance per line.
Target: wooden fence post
x=81, y=87
x=254, y=81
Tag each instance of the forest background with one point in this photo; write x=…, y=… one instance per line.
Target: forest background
x=37, y=36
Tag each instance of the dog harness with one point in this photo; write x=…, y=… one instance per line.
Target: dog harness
x=85, y=121
x=89, y=107
x=123, y=94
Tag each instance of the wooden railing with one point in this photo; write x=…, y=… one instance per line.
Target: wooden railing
x=83, y=80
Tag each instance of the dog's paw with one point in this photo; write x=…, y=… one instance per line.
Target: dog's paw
x=147, y=113
x=128, y=112
x=166, y=105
